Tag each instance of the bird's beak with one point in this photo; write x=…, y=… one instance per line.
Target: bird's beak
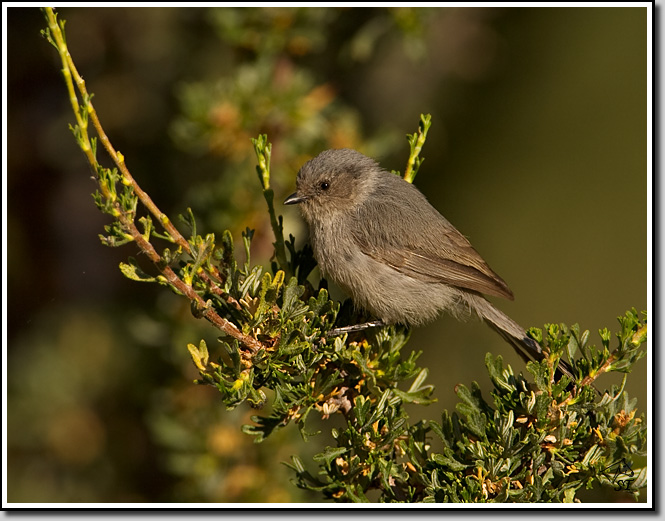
x=295, y=199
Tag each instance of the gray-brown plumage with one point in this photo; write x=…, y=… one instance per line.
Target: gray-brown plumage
x=379, y=239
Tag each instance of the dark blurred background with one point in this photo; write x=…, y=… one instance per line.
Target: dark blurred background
x=537, y=153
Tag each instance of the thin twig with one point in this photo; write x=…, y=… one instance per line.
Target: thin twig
x=416, y=142
x=263, y=150
x=69, y=69
x=71, y=75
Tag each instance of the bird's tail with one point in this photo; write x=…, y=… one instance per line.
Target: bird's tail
x=511, y=331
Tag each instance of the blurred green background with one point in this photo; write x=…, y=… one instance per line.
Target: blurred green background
x=537, y=153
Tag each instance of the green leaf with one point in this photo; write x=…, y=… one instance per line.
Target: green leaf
x=330, y=454
x=448, y=463
x=132, y=271
x=199, y=355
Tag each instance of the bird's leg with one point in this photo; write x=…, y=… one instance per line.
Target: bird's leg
x=356, y=327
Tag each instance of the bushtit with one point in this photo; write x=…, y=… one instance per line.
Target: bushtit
x=376, y=236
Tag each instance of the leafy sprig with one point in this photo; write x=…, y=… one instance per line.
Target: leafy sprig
x=122, y=205
x=529, y=442
x=416, y=142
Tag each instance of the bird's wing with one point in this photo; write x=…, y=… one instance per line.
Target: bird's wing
x=419, y=242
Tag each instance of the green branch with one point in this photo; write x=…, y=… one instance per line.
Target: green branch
x=416, y=142
x=263, y=149
x=122, y=205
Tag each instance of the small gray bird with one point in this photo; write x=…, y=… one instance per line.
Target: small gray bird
x=378, y=238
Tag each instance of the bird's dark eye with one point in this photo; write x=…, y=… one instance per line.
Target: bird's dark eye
x=324, y=185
